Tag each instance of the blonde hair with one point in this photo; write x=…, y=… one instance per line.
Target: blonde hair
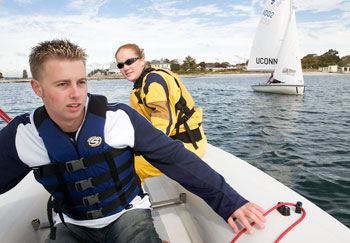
x=53, y=49
x=138, y=51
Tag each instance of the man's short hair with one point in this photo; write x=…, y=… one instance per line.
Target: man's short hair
x=53, y=49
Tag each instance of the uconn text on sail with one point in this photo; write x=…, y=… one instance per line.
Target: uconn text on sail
x=266, y=61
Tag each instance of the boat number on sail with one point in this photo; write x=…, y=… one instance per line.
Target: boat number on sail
x=268, y=13
x=278, y=2
x=266, y=61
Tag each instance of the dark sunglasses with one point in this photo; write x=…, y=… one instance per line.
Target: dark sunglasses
x=128, y=62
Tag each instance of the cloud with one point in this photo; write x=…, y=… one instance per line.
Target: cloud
x=167, y=38
x=319, y=37
x=20, y=54
x=87, y=7
x=168, y=9
x=22, y=2
x=206, y=32
x=243, y=9
x=207, y=10
x=320, y=5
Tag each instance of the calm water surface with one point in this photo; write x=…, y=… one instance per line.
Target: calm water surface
x=302, y=141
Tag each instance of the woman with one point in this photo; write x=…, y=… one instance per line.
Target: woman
x=160, y=96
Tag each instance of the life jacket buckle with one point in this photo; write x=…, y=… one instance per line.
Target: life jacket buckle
x=90, y=200
x=94, y=214
x=75, y=165
x=37, y=172
x=83, y=184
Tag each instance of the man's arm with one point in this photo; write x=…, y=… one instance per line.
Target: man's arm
x=126, y=127
x=12, y=170
x=185, y=167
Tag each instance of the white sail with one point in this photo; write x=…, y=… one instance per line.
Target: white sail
x=269, y=35
x=288, y=69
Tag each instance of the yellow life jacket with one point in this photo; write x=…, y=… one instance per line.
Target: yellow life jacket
x=165, y=101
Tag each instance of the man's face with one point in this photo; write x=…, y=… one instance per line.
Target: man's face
x=63, y=89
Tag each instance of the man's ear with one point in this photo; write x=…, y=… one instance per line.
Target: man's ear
x=36, y=87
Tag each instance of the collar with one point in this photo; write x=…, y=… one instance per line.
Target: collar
x=138, y=82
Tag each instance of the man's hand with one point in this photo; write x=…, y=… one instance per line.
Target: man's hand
x=251, y=211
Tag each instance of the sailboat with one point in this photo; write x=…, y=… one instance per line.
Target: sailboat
x=276, y=49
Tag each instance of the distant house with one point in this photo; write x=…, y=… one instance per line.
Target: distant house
x=99, y=73
x=209, y=66
x=241, y=66
x=345, y=69
x=231, y=66
x=329, y=69
x=214, y=67
x=113, y=69
x=161, y=64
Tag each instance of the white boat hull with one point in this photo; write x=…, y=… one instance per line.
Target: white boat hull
x=280, y=88
x=192, y=221
x=201, y=224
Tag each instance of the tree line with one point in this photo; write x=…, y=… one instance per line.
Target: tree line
x=24, y=74
x=189, y=64
x=102, y=71
x=328, y=58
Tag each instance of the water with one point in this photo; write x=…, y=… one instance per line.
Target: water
x=302, y=141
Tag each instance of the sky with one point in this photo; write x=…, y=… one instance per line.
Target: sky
x=209, y=31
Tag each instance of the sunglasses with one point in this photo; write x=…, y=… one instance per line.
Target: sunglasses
x=128, y=62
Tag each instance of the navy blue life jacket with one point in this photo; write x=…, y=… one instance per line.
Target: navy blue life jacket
x=87, y=179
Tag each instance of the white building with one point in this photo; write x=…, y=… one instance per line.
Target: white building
x=329, y=69
x=161, y=64
x=113, y=69
x=345, y=69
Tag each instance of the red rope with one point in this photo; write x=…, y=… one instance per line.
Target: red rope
x=4, y=116
x=285, y=232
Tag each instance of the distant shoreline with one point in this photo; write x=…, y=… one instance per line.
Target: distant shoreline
x=14, y=80
x=307, y=72
x=200, y=74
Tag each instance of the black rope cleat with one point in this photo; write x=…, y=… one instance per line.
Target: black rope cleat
x=284, y=210
x=298, y=207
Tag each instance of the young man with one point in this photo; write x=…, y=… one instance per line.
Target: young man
x=81, y=150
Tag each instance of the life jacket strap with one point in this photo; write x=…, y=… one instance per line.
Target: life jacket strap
x=181, y=106
x=74, y=165
x=94, y=214
x=91, y=181
x=98, y=197
x=184, y=115
x=115, y=172
x=100, y=212
x=50, y=218
x=185, y=137
x=50, y=207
